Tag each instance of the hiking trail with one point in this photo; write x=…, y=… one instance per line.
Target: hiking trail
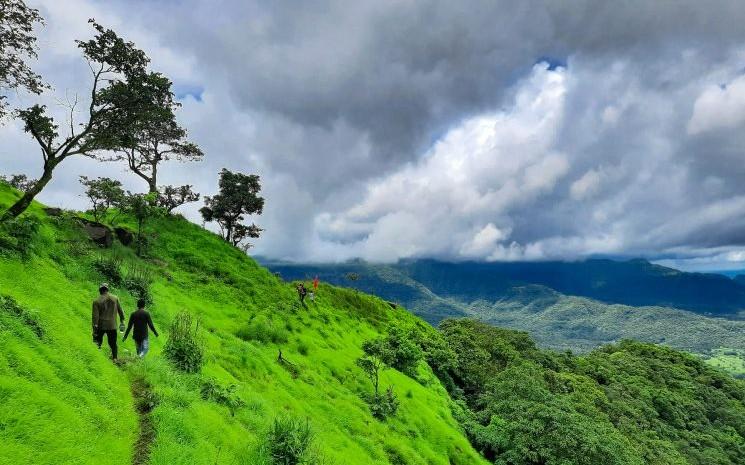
x=145, y=401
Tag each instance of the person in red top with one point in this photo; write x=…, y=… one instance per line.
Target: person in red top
x=315, y=283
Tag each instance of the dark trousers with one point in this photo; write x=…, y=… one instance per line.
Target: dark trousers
x=111, y=339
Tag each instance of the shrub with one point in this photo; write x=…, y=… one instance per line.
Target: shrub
x=224, y=395
x=289, y=442
x=137, y=281
x=383, y=405
x=184, y=347
x=103, y=193
x=110, y=268
x=18, y=234
x=402, y=351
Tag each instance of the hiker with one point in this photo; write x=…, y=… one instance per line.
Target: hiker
x=105, y=308
x=312, y=296
x=140, y=320
x=301, y=292
x=315, y=284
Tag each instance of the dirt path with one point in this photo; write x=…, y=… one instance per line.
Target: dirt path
x=145, y=402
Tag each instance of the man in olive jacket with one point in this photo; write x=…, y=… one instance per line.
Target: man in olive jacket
x=105, y=309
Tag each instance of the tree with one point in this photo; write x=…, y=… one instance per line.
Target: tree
x=238, y=197
x=103, y=194
x=402, y=349
x=143, y=208
x=172, y=197
x=18, y=181
x=116, y=66
x=374, y=361
x=156, y=137
x=17, y=44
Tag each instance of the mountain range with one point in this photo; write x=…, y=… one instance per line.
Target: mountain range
x=563, y=305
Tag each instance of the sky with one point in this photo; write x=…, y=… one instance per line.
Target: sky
x=494, y=130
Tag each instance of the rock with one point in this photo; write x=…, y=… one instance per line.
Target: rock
x=53, y=211
x=99, y=233
x=124, y=236
x=392, y=304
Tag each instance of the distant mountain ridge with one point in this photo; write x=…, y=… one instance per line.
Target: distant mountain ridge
x=635, y=282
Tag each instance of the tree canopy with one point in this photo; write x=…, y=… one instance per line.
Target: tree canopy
x=17, y=45
x=238, y=197
x=628, y=403
x=117, y=69
x=149, y=134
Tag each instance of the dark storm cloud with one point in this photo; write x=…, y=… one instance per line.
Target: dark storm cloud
x=334, y=103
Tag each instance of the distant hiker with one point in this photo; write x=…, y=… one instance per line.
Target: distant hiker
x=140, y=320
x=312, y=296
x=301, y=292
x=315, y=283
x=105, y=309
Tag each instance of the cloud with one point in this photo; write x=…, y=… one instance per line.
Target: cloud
x=586, y=185
x=719, y=107
x=390, y=129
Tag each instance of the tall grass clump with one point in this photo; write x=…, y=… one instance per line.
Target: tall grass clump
x=17, y=235
x=12, y=309
x=290, y=441
x=223, y=395
x=110, y=267
x=137, y=281
x=264, y=331
x=184, y=347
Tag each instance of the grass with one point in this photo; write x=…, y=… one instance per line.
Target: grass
x=62, y=401
x=730, y=360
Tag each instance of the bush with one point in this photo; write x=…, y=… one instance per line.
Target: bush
x=383, y=405
x=184, y=347
x=137, y=281
x=402, y=351
x=289, y=442
x=224, y=395
x=110, y=268
x=18, y=234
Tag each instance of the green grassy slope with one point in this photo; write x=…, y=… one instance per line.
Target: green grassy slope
x=63, y=402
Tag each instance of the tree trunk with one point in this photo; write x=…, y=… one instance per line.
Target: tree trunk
x=22, y=204
x=153, y=181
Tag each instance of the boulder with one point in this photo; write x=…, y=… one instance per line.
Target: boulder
x=98, y=232
x=53, y=211
x=124, y=235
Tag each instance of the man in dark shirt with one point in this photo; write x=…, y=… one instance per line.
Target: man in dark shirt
x=140, y=320
x=105, y=310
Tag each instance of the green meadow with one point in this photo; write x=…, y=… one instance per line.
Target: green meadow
x=63, y=401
